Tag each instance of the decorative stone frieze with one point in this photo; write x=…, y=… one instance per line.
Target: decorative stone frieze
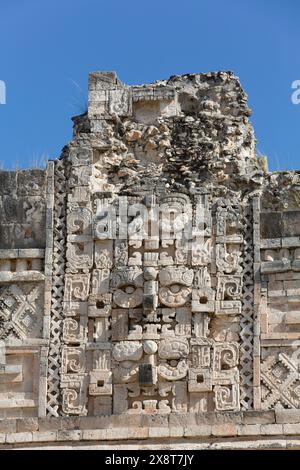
x=154, y=268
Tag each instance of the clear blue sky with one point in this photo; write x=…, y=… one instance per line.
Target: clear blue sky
x=48, y=48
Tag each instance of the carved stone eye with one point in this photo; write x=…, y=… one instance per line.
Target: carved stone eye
x=174, y=295
x=175, y=288
x=128, y=296
x=129, y=289
x=270, y=255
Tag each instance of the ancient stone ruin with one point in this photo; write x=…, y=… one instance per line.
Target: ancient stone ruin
x=150, y=278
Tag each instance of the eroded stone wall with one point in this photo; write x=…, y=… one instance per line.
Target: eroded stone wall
x=22, y=293
x=152, y=270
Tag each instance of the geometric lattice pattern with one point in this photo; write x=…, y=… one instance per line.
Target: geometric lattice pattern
x=59, y=253
x=246, y=321
x=21, y=310
x=281, y=381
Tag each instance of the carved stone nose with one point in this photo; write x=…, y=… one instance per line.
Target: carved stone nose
x=146, y=375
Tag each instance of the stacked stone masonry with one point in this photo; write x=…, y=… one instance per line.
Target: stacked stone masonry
x=150, y=277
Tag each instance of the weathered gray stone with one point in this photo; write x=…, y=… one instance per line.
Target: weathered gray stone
x=271, y=429
x=8, y=425
x=69, y=435
x=93, y=434
x=259, y=417
x=198, y=430
x=249, y=430
x=287, y=416
x=291, y=429
x=27, y=424
x=44, y=436
x=18, y=437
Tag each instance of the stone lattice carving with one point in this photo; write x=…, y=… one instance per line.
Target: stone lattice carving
x=21, y=310
x=246, y=322
x=281, y=381
x=57, y=294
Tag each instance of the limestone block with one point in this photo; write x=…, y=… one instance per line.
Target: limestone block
x=291, y=429
x=248, y=430
x=44, y=436
x=18, y=437
x=67, y=435
x=287, y=416
x=27, y=424
x=94, y=434
x=271, y=429
x=229, y=429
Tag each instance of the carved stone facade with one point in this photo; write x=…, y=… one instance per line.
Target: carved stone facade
x=154, y=269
